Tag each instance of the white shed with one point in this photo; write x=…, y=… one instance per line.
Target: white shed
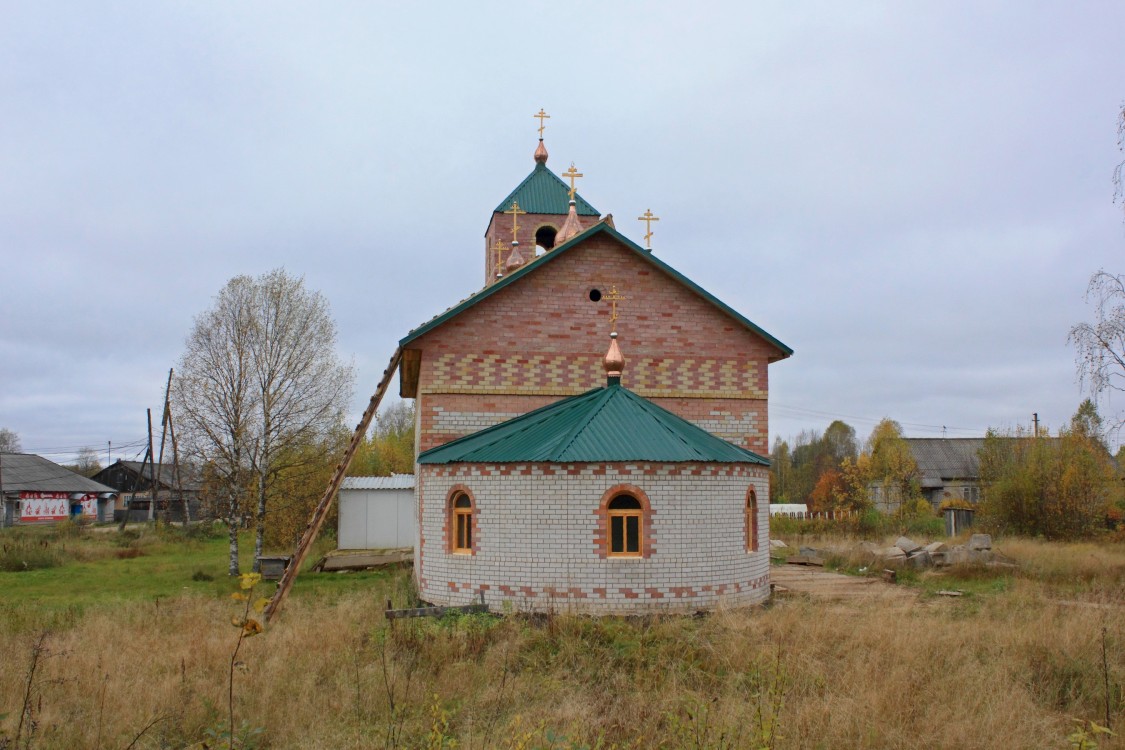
x=377, y=512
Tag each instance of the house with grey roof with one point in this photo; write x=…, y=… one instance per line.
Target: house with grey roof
x=35, y=490
x=176, y=484
x=948, y=469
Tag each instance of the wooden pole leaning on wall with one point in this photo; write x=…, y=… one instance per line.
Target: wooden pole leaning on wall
x=321, y=511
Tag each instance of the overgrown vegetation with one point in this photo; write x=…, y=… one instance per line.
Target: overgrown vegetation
x=1012, y=663
x=1065, y=487
x=829, y=472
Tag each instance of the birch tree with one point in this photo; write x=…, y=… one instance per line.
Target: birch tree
x=9, y=441
x=258, y=377
x=301, y=386
x=1100, y=345
x=214, y=395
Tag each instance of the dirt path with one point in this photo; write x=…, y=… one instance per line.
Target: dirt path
x=788, y=580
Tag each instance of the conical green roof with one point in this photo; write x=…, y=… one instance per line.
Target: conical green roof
x=603, y=425
x=544, y=192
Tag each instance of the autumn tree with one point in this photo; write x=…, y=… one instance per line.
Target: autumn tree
x=9, y=441
x=258, y=383
x=829, y=486
x=892, y=466
x=1060, y=488
x=781, y=469
x=389, y=449
x=87, y=463
x=297, y=488
x=852, y=492
x=798, y=471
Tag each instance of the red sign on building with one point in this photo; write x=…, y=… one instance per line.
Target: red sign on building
x=54, y=506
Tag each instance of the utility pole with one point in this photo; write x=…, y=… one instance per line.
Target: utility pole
x=151, y=470
x=1035, y=421
x=108, y=452
x=163, y=434
x=140, y=476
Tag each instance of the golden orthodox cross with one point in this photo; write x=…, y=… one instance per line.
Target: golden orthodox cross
x=614, y=298
x=515, y=211
x=499, y=248
x=542, y=116
x=572, y=174
x=648, y=218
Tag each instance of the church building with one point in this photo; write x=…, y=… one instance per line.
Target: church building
x=551, y=477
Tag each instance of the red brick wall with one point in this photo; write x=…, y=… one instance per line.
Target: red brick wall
x=500, y=228
x=543, y=338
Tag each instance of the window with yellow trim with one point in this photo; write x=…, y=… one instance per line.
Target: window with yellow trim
x=462, y=524
x=626, y=526
x=751, y=522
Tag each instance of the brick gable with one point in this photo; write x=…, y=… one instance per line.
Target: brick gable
x=541, y=337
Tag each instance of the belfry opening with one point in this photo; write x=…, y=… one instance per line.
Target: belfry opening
x=545, y=238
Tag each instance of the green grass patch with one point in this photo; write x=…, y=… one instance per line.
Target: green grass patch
x=52, y=578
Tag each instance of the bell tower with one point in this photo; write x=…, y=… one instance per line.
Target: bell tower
x=539, y=214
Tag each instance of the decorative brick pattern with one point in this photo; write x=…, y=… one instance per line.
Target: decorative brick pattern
x=564, y=374
x=535, y=524
x=542, y=338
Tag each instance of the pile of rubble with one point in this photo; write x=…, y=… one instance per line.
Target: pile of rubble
x=907, y=552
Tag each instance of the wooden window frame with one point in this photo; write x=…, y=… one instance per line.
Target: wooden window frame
x=625, y=514
x=603, y=541
x=751, y=519
x=461, y=521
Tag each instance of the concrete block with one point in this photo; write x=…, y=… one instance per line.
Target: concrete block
x=892, y=556
x=907, y=545
x=980, y=542
x=919, y=560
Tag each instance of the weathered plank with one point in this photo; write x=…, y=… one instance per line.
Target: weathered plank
x=397, y=614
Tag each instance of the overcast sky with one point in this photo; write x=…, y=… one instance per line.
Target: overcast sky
x=911, y=195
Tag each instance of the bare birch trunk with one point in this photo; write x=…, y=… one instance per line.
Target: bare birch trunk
x=232, y=523
x=259, y=536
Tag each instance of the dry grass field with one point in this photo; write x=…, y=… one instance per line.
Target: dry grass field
x=1010, y=664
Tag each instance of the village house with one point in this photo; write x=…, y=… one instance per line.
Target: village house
x=948, y=469
x=134, y=480
x=34, y=490
x=634, y=521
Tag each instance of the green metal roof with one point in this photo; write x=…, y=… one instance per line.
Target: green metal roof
x=547, y=257
x=544, y=192
x=602, y=425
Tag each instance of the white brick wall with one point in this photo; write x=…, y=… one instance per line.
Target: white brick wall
x=536, y=529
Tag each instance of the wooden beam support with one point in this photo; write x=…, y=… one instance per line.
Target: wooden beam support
x=321, y=511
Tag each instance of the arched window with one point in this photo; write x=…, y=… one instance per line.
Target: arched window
x=751, y=521
x=462, y=525
x=626, y=527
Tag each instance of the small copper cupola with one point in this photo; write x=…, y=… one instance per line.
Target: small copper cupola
x=614, y=361
x=540, y=153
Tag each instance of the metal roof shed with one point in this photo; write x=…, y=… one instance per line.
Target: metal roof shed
x=377, y=512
